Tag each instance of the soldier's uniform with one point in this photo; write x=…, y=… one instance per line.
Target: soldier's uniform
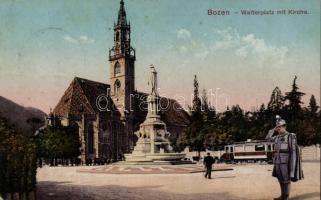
x=287, y=165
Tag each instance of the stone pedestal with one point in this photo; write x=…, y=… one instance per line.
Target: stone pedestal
x=153, y=143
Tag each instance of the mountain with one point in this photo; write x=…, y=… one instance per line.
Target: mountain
x=18, y=115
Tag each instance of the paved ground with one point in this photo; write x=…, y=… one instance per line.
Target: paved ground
x=152, y=169
x=251, y=181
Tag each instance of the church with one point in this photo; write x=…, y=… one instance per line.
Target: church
x=107, y=134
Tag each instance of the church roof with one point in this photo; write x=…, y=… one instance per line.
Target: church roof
x=171, y=112
x=80, y=98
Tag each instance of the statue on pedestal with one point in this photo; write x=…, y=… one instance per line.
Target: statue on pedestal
x=153, y=81
x=153, y=138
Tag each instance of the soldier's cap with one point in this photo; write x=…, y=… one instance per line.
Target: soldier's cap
x=280, y=122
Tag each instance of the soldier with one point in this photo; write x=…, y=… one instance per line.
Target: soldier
x=287, y=161
x=208, y=162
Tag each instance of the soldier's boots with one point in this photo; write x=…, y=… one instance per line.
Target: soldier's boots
x=285, y=191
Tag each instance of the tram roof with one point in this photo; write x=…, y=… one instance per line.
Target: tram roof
x=250, y=142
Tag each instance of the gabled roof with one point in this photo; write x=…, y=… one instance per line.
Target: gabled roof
x=80, y=98
x=172, y=113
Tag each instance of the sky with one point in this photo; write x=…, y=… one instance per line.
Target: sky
x=238, y=59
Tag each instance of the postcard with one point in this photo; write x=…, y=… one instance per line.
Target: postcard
x=159, y=99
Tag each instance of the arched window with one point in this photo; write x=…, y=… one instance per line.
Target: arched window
x=117, y=36
x=117, y=87
x=117, y=69
x=90, y=138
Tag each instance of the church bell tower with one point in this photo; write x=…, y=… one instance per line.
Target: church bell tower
x=122, y=65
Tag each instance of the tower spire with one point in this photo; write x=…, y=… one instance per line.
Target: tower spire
x=122, y=14
x=122, y=65
x=122, y=35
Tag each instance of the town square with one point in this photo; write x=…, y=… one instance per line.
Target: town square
x=149, y=99
x=243, y=181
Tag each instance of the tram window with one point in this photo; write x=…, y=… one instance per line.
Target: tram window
x=226, y=149
x=231, y=149
x=269, y=147
x=249, y=148
x=238, y=148
x=259, y=147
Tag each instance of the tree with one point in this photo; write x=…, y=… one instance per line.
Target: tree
x=208, y=111
x=234, y=125
x=311, y=124
x=192, y=134
x=293, y=112
x=313, y=107
x=238, y=124
x=276, y=100
x=197, y=104
x=58, y=142
x=294, y=100
x=17, y=160
x=34, y=123
x=262, y=121
x=318, y=129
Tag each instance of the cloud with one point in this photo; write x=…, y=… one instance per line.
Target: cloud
x=182, y=49
x=256, y=46
x=183, y=34
x=70, y=39
x=83, y=39
x=228, y=38
x=246, y=46
x=202, y=54
x=191, y=46
x=249, y=46
x=241, y=52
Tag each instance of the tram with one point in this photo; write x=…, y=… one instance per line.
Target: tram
x=248, y=151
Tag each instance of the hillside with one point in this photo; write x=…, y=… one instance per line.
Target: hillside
x=18, y=115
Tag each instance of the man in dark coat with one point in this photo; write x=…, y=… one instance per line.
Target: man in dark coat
x=287, y=160
x=208, y=162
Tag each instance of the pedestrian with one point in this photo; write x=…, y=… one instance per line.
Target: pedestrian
x=208, y=162
x=286, y=159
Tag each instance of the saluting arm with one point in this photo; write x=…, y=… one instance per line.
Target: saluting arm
x=269, y=136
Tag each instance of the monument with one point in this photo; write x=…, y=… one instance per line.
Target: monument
x=153, y=144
